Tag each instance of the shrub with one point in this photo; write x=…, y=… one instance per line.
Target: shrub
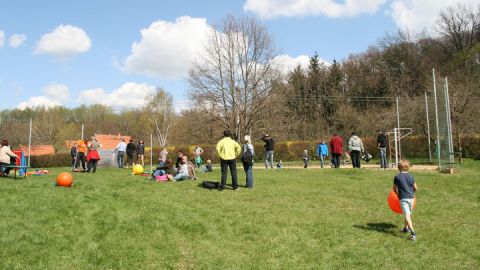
x=55, y=160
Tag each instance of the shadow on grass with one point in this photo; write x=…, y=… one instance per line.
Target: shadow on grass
x=382, y=227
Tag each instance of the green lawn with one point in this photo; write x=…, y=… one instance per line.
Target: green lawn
x=292, y=219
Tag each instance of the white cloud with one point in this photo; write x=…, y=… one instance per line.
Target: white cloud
x=167, y=49
x=129, y=95
x=63, y=42
x=417, y=15
x=331, y=8
x=57, y=92
x=39, y=101
x=16, y=40
x=286, y=63
x=2, y=38
x=54, y=94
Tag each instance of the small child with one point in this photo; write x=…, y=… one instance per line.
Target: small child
x=305, y=159
x=279, y=164
x=404, y=185
x=208, y=166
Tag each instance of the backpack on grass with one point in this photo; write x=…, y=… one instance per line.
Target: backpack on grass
x=210, y=184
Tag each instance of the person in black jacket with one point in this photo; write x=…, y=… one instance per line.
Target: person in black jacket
x=131, y=153
x=73, y=154
x=382, y=148
x=269, y=148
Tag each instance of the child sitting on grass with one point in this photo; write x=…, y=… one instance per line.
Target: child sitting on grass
x=208, y=166
x=404, y=185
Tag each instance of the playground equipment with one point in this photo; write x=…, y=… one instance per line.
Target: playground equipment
x=395, y=136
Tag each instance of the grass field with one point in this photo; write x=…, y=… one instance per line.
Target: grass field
x=292, y=219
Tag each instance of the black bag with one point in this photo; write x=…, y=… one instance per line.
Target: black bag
x=247, y=156
x=210, y=184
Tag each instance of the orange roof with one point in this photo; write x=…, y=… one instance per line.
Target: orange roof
x=111, y=141
x=38, y=150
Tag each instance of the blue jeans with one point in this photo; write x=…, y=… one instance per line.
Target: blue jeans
x=249, y=173
x=383, y=157
x=269, y=157
x=120, y=158
x=322, y=159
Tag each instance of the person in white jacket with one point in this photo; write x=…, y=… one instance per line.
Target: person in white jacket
x=355, y=146
x=5, y=155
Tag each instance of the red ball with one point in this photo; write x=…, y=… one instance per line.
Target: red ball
x=64, y=179
x=394, y=202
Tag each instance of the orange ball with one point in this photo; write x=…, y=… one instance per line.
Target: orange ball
x=64, y=179
x=394, y=202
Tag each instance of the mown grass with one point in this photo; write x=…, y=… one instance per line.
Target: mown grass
x=292, y=219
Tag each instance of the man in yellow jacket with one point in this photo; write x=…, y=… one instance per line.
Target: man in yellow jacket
x=228, y=150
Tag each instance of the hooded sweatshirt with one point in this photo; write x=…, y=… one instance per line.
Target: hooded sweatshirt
x=355, y=144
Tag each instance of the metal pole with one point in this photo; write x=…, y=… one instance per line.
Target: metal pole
x=428, y=129
x=151, y=152
x=396, y=145
x=82, y=131
x=29, y=142
x=399, y=150
x=451, y=156
x=436, y=119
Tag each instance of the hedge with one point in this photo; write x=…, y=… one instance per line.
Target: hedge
x=412, y=147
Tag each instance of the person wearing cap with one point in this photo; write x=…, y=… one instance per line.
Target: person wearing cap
x=269, y=149
x=228, y=150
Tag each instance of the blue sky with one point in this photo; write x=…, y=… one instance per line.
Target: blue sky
x=81, y=52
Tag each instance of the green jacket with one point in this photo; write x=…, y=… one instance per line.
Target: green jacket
x=228, y=149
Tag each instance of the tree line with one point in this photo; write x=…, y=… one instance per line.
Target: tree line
x=237, y=85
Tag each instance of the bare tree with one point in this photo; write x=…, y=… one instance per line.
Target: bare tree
x=236, y=74
x=160, y=108
x=460, y=25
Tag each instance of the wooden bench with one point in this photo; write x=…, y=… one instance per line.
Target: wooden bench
x=15, y=169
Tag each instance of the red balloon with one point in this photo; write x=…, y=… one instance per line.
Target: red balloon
x=64, y=179
x=394, y=202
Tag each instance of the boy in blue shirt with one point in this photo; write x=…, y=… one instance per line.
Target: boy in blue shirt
x=404, y=185
x=322, y=151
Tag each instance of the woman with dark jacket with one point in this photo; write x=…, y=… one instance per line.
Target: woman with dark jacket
x=131, y=153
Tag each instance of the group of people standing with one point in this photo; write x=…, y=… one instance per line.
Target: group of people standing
x=355, y=150
x=134, y=152
x=228, y=150
x=85, y=154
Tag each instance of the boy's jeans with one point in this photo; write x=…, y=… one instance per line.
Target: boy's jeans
x=269, y=157
x=322, y=158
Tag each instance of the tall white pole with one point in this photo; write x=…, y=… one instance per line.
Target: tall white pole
x=436, y=119
x=395, y=137
x=451, y=156
x=29, y=142
x=82, y=131
x=399, y=150
x=151, y=152
x=428, y=129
